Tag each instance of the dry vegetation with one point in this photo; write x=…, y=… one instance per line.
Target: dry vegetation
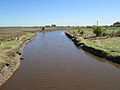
x=13, y=38
x=11, y=42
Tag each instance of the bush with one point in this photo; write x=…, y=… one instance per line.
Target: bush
x=116, y=24
x=43, y=28
x=79, y=30
x=112, y=34
x=118, y=33
x=99, y=31
x=82, y=32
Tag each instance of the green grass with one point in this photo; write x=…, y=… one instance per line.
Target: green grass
x=109, y=45
x=9, y=48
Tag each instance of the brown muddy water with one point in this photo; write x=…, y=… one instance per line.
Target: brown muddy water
x=53, y=62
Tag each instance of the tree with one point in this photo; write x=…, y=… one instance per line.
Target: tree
x=99, y=30
x=43, y=28
x=53, y=25
x=116, y=24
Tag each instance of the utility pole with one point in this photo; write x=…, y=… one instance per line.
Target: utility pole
x=97, y=23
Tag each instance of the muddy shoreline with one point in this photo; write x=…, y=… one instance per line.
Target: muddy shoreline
x=99, y=53
x=7, y=70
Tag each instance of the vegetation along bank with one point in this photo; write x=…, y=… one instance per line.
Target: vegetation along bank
x=100, y=41
x=11, y=48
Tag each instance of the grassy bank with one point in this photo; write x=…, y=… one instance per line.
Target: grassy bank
x=11, y=47
x=106, y=46
x=12, y=41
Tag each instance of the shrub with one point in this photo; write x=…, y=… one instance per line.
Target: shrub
x=82, y=32
x=116, y=24
x=99, y=31
x=43, y=28
x=79, y=30
x=118, y=33
x=112, y=34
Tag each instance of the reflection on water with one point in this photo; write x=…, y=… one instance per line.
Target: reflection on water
x=102, y=60
x=53, y=62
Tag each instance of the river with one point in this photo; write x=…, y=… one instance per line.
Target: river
x=53, y=62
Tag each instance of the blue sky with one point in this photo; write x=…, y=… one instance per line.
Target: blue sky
x=59, y=12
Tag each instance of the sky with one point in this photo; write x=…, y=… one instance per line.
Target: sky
x=59, y=12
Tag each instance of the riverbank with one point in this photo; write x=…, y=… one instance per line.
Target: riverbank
x=99, y=47
x=10, y=54
x=12, y=42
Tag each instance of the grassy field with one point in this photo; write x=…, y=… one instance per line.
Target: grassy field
x=9, y=47
x=108, y=45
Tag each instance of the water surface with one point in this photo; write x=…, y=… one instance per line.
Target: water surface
x=53, y=62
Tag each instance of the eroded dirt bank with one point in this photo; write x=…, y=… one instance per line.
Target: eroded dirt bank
x=92, y=50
